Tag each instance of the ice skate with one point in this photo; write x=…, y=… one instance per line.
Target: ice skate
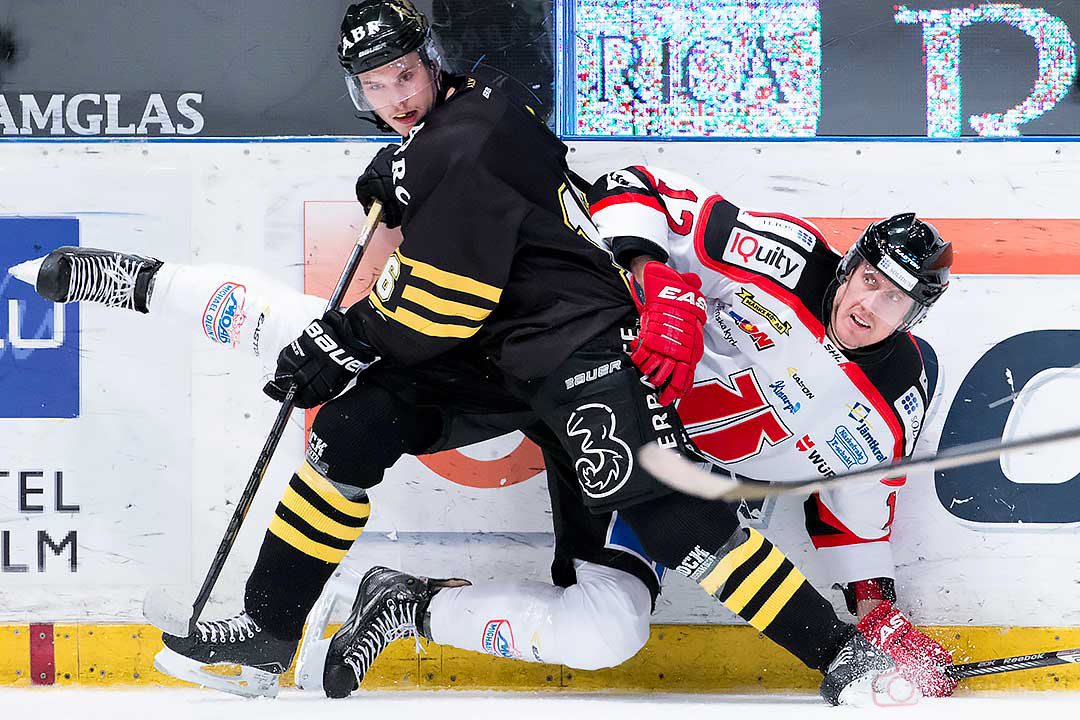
x=389, y=605
x=74, y=274
x=858, y=674
x=224, y=644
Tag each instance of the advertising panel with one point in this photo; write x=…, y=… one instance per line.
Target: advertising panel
x=806, y=68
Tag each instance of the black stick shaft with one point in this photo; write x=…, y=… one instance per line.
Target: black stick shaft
x=1010, y=664
x=276, y=431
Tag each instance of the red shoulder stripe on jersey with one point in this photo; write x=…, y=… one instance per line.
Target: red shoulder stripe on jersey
x=641, y=169
x=839, y=534
x=626, y=198
x=807, y=318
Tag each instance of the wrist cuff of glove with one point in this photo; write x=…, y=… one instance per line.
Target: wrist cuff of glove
x=627, y=247
x=881, y=588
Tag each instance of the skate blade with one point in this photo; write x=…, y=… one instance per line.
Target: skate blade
x=248, y=682
x=27, y=271
x=312, y=656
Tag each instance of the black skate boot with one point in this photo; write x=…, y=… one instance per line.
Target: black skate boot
x=236, y=641
x=860, y=673
x=114, y=279
x=389, y=605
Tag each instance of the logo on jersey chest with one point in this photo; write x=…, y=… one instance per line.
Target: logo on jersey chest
x=793, y=373
x=765, y=256
x=778, y=389
x=781, y=326
x=761, y=339
x=730, y=420
x=806, y=445
x=718, y=316
x=847, y=447
x=859, y=413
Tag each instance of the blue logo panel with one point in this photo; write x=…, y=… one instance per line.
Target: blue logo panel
x=39, y=340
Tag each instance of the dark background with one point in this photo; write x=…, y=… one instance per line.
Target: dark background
x=265, y=67
x=268, y=67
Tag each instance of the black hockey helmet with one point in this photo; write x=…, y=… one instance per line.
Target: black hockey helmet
x=375, y=33
x=911, y=253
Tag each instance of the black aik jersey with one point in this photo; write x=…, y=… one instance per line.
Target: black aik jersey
x=499, y=251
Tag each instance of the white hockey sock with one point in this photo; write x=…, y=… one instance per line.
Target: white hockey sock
x=601, y=621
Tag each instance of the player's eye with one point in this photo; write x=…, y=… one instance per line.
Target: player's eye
x=406, y=76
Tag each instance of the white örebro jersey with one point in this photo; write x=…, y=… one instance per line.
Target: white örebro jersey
x=774, y=399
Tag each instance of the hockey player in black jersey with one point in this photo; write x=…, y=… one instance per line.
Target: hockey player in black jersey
x=502, y=309
x=502, y=300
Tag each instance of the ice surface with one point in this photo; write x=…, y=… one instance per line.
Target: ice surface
x=170, y=704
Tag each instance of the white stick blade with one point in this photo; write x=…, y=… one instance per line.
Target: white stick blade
x=166, y=613
x=683, y=475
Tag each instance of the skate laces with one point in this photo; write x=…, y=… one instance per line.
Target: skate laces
x=397, y=621
x=108, y=279
x=239, y=627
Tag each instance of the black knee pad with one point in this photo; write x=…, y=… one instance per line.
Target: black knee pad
x=357, y=436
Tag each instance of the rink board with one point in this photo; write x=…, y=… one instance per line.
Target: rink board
x=677, y=658
x=167, y=427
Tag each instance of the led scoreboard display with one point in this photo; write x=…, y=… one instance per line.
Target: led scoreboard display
x=802, y=68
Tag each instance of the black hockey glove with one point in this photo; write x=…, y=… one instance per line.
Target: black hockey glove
x=377, y=183
x=321, y=362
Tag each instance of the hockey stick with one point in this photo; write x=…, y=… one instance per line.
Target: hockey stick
x=158, y=607
x=1009, y=664
x=688, y=477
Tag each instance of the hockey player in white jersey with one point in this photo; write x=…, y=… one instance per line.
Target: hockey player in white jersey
x=808, y=365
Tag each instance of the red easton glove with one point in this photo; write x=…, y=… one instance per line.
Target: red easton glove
x=919, y=659
x=672, y=337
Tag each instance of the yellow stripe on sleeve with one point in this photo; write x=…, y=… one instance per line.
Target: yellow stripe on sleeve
x=452, y=281
x=422, y=325
x=444, y=307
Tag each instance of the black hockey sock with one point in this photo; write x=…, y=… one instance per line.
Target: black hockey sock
x=754, y=580
x=312, y=529
x=749, y=575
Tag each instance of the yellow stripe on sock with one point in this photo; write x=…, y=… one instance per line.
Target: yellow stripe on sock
x=776, y=602
x=330, y=494
x=754, y=581
x=731, y=562
x=304, y=544
x=316, y=519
